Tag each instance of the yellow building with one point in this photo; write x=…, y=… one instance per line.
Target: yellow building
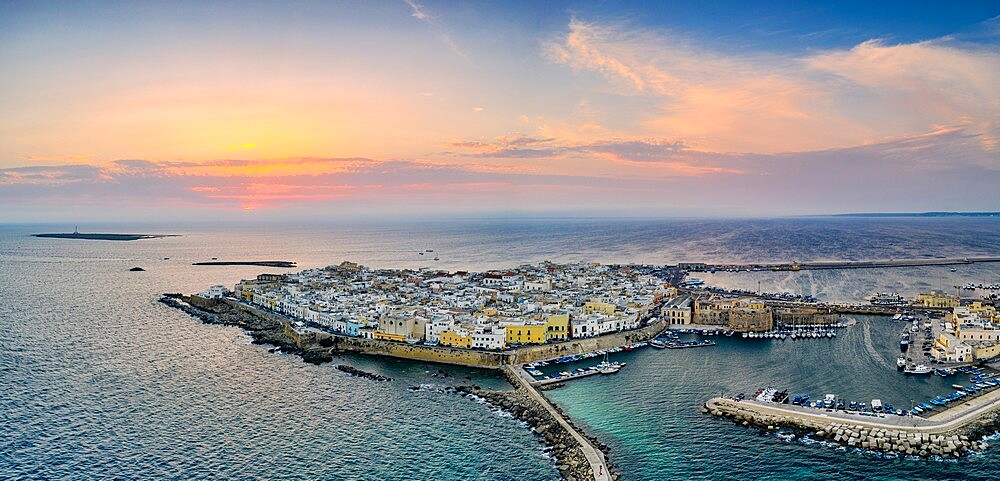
x=746, y=319
x=388, y=336
x=937, y=299
x=557, y=327
x=597, y=306
x=526, y=334
x=456, y=339
x=983, y=350
x=984, y=311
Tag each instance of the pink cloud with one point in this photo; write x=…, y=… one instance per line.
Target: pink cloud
x=715, y=102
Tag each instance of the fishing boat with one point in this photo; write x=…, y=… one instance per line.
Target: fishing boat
x=918, y=369
x=657, y=344
x=887, y=299
x=901, y=363
x=607, y=367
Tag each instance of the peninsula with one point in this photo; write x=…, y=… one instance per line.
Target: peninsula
x=521, y=319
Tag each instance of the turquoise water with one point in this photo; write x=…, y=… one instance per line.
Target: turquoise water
x=100, y=381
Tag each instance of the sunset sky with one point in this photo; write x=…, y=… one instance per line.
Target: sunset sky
x=284, y=110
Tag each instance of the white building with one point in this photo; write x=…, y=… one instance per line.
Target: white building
x=586, y=326
x=489, y=338
x=434, y=328
x=214, y=292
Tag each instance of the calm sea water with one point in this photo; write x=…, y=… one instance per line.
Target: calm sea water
x=102, y=382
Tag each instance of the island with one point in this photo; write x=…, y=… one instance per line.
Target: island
x=102, y=236
x=285, y=264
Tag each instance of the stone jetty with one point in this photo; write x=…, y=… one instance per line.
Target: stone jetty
x=578, y=457
x=904, y=436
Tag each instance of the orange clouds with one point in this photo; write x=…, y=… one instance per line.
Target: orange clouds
x=772, y=104
x=266, y=168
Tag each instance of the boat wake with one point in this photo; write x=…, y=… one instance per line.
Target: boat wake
x=870, y=347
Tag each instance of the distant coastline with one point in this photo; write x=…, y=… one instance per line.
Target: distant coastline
x=95, y=236
x=920, y=214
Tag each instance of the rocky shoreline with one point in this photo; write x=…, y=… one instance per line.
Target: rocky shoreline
x=570, y=460
x=262, y=331
x=353, y=371
x=953, y=444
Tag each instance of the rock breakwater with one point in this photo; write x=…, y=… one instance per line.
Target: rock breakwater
x=363, y=374
x=570, y=459
x=898, y=440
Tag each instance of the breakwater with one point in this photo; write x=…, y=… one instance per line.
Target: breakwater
x=953, y=435
x=353, y=371
x=821, y=265
x=578, y=456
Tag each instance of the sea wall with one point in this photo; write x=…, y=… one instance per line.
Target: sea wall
x=442, y=354
x=310, y=338
x=545, y=352
x=888, y=438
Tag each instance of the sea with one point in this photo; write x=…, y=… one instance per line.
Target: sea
x=100, y=381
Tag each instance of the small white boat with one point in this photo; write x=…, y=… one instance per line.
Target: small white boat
x=918, y=369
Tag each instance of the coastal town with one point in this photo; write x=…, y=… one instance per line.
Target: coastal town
x=541, y=324
x=552, y=303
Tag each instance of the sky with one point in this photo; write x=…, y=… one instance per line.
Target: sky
x=261, y=110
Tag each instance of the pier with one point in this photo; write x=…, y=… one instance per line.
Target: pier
x=576, y=375
x=596, y=459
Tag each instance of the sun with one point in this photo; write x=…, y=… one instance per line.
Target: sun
x=247, y=207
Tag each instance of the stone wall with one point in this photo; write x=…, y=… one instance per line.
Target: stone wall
x=443, y=354
x=578, y=346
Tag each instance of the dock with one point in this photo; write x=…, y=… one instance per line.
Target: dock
x=579, y=375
